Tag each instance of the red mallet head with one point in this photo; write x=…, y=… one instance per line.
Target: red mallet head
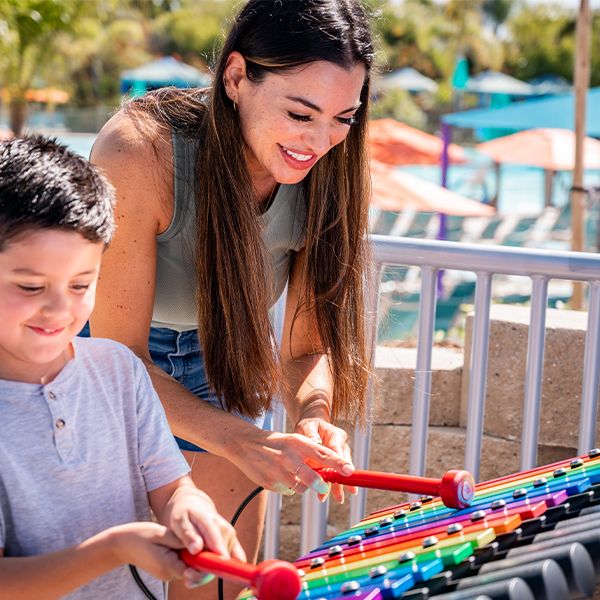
x=457, y=489
x=276, y=580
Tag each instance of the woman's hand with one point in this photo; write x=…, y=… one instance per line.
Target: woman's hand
x=278, y=461
x=323, y=432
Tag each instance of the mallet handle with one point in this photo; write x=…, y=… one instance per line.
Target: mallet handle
x=221, y=567
x=383, y=481
x=456, y=488
x=269, y=580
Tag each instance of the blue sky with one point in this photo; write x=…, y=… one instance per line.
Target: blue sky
x=568, y=3
x=574, y=4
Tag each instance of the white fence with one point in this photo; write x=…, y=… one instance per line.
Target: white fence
x=485, y=262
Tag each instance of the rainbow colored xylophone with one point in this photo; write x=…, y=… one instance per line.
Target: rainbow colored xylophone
x=528, y=535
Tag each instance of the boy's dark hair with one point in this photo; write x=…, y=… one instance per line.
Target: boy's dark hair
x=44, y=185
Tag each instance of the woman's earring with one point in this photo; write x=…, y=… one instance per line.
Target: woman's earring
x=234, y=106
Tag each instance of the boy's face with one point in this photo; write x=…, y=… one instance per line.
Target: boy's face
x=47, y=287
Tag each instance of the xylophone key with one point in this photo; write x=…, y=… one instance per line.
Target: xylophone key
x=573, y=559
x=579, y=501
x=426, y=550
x=589, y=539
x=509, y=589
x=530, y=527
x=556, y=514
x=544, y=577
x=438, y=584
x=591, y=519
x=418, y=594
x=487, y=553
x=508, y=540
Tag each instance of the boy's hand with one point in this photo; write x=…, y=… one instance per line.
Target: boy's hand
x=192, y=517
x=149, y=546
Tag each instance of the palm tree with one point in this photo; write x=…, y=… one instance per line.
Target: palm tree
x=29, y=28
x=497, y=11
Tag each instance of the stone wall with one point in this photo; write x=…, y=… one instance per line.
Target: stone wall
x=392, y=413
x=505, y=390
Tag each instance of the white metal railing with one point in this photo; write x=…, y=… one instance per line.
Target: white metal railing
x=485, y=261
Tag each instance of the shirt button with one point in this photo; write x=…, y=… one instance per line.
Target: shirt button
x=52, y=395
x=60, y=423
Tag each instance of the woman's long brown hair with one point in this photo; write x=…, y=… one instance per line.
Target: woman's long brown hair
x=233, y=282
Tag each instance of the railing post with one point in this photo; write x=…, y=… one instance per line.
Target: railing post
x=591, y=373
x=362, y=439
x=534, y=372
x=273, y=514
x=313, y=530
x=422, y=393
x=477, y=372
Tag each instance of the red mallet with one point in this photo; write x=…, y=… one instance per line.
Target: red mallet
x=456, y=488
x=269, y=580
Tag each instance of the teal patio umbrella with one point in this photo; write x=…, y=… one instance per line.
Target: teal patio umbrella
x=408, y=79
x=166, y=71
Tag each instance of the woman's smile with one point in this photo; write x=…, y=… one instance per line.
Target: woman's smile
x=292, y=119
x=297, y=160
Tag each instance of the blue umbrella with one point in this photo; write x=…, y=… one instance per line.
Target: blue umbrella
x=550, y=85
x=460, y=75
x=166, y=71
x=494, y=82
x=408, y=79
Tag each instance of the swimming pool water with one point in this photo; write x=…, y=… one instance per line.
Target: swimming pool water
x=521, y=187
x=79, y=142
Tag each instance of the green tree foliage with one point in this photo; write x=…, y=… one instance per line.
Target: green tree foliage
x=93, y=58
x=84, y=45
x=542, y=40
x=192, y=32
x=497, y=11
x=424, y=35
x=187, y=33
x=399, y=105
x=30, y=28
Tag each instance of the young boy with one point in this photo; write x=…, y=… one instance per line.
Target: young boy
x=85, y=449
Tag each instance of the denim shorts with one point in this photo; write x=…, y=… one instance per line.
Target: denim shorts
x=180, y=356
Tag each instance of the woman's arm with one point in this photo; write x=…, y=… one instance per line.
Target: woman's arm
x=142, y=176
x=308, y=385
x=307, y=380
x=47, y=576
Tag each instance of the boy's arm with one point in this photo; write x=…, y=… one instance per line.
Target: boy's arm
x=192, y=516
x=53, y=575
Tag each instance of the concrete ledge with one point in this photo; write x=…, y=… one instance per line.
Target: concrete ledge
x=395, y=385
x=505, y=389
x=445, y=451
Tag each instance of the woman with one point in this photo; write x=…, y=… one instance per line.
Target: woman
x=225, y=195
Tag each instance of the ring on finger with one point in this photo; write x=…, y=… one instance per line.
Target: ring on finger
x=293, y=488
x=298, y=469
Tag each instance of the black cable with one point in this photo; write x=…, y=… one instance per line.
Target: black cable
x=136, y=576
x=236, y=516
x=245, y=503
x=141, y=584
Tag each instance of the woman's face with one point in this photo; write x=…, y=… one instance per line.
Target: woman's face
x=290, y=120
